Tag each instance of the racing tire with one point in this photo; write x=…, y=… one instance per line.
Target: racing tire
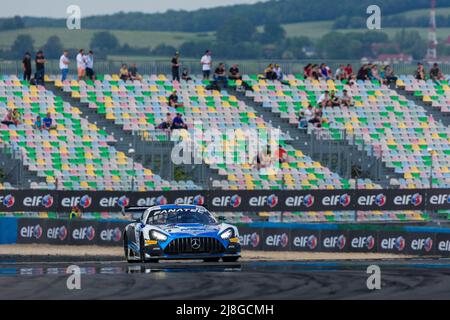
x=126, y=249
x=141, y=248
x=211, y=260
x=230, y=259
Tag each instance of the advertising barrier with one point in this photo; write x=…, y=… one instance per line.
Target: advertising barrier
x=225, y=200
x=424, y=241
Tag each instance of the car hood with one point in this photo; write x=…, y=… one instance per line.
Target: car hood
x=190, y=228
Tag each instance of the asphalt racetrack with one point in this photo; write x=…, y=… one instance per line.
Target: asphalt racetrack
x=400, y=279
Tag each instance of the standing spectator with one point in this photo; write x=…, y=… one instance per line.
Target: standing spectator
x=133, y=73
x=185, y=75
x=40, y=68
x=90, y=73
x=48, y=122
x=81, y=65
x=123, y=73
x=176, y=67
x=206, y=62
x=220, y=74
x=26, y=65
x=420, y=72
x=234, y=73
x=178, y=122
x=64, y=65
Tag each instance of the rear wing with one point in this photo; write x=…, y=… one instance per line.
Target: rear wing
x=136, y=212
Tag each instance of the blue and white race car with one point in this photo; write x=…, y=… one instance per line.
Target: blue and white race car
x=179, y=232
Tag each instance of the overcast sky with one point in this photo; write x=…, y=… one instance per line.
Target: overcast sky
x=57, y=8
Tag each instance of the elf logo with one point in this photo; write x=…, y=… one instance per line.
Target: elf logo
x=31, y=231
x=111, y=235
x=110, y=202
x=415, y=199
x=444, y=246
x=297, y=201
x=36, y=201
x=440, y=199
x=271, y=201
x=379, y=200
x=227, y=201
x=310, y=242
x=57, y=233
x=344, y=200
x=277, y=240
x=398, y=243
x=363, y=242
x=152, y=201
x=86, y=233
x=8, y=201
x=335, y=242
x=84, y=201
x=250, y=239
x=422, y=244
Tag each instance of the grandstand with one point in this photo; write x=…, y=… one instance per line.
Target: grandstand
x=80, y=155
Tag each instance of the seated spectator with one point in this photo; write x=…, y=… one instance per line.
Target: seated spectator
x=220, y=74
x=234, y=73
x=185, y=75
x=335, y=101
x=388, y=75
x=435, y=73
x=352, y=80
x=278, y=72
x=420, y=72
x=324, y=99
x=315, y=72
x=307, y=71
x=305, y=117
x=9, y=118
x=341, y=73
x=16, y=117
x=178, y=122
x=38, y=123
x=269, y=73
x=48, y=122
x=124, y=74
x=281, y=154
x=133, y=73
x=346, y=100
x=167, y=124
x=173, y=100
x=374, y=75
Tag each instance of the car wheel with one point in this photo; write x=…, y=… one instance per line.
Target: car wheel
x=141, y=248
x=230, y=259
x=211, y=260
x=126, y=249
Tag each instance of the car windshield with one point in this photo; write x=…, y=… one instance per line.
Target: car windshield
x=181, y=215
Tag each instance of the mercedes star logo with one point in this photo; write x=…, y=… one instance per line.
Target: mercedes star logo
x=195, y=243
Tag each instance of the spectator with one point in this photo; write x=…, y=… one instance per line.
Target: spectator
x=420, y=72
x=123, y=73
x=38, y=123
x=307, y=71
x=315, y=72
x=324, y=99
x=81, y=65
x=352, y=80
x=278, y=72
x=220, y=74
x=64, y=65
x=346, y=100
x=167, y=124
x=48, y=122
x=334, y=101
x=9, y=118
x=134, y=75
x=185, y=75
x=435, y=73
x=206, y=62
x=176, y=67
x=173, y=100
x=349, y=69
x=75, y=213
x=178, y=122
x=269, y=73
x=341, y=73
x=26, y=65
x=363, y=73
x=305, y=117
x=325, y=71
x=40, y=68
x=388, y=75
x=373, y=74
x=90, y=73
x=281, y=154
x=234, y=73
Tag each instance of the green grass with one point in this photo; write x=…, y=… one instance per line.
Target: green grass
x=82, y=38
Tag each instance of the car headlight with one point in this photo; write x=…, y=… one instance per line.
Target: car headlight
x=227, y=234
x=158, y=235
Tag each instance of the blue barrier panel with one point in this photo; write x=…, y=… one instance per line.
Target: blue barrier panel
x=8, y=230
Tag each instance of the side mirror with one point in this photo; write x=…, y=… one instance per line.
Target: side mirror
x=222, y=219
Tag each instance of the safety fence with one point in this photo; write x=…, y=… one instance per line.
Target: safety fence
x=410, y=240
x=228, y=200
